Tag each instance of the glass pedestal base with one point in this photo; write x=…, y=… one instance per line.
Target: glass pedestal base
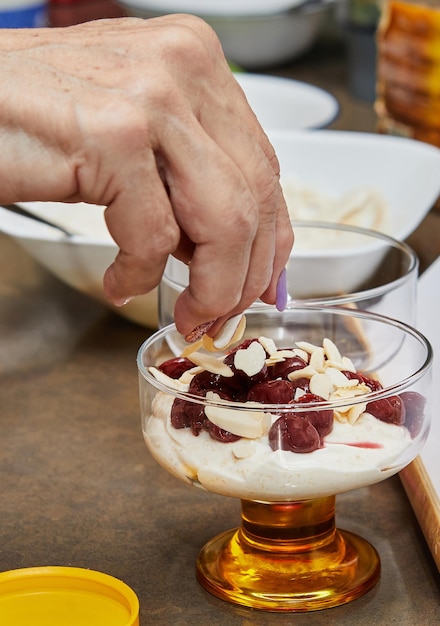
x=288, y=557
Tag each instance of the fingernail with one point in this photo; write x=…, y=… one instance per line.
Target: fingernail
x=123, y=301
x=198, y=332
x=281, y=297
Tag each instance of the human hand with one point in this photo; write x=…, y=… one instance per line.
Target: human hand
x=145, y=118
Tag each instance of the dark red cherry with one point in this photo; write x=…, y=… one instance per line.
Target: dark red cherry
x=174, y=368
x=283, y=368
x=203, y=382
x=219, y=434
x=372, y=383
x=185, y=414
x=390, y=410
x=321, y=419
x=271, y=392
x=414, y=411
x=295, y=434
x=301, y=383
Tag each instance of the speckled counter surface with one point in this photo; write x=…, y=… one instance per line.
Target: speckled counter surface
x=79, y=488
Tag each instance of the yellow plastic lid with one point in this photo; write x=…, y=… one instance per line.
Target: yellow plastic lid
x=67, y=596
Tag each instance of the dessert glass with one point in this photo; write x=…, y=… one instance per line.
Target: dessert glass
x=288, y=555
x=332, y=265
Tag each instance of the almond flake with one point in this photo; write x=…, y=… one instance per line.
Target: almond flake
x=301, y=353
x=281, y=355
x=349, y=392
x=250, y=360
x=299, y=393
x=208, y=343
x=290, y=354
x=339, y=379
x=243, y=423
x=224, y=337
x=211, y=364
x=305, y=372
x=230, y=333
x=317, y=360
x=355, y=412
x=167, y=380
x=188, y=375
x=348, y=364
x=338, y=365
x=274, y=359
x=331, y=351
x=268, y=344
x=240, y=330
x=339, y=416
x=306, y=346
x=321, y=385
x=192, y=347
x=243, y=449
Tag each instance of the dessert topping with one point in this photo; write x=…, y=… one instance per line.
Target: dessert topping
x=257, y=373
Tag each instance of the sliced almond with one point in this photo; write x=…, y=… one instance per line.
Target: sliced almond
x=339, y=416
x=224, y=337
x=305, y=372
x=239, y=332
x=208, y=343
x=269, y=345
x=306, y=346
x=290, y=354
x=167, y=380
x=301, y=353
x=281, y=355
x=339, y=379
x=299, y=393
x=321, y=385
x=355, y=412
x=331, y=351
x=192, y=347
x=338, y=365
x=347, y=364
x=188, y=375
x=250, y=360
x=274, y=359
x=243, y=449
x=211, y=363
x=317, y=360
x=249, y=424
x=349, y=392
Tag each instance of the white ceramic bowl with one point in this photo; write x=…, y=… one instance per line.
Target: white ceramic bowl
x=286, y=104
x=405, y=172
x=253, y=35
x=219, y=7
x=80, y=260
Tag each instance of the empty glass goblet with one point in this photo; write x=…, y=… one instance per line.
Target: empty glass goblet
x=332, y=265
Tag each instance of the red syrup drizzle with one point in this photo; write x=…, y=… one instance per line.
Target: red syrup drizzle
x=361, y=444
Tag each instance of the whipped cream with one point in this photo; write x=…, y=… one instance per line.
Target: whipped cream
x=361, y=206
x=352, y=456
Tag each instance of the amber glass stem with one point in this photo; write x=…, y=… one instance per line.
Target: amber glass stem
x=292, y=527
x=288, y=557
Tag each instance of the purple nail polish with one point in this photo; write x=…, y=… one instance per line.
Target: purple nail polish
x=281, y=297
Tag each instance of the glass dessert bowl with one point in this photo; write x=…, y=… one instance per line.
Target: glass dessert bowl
x=309, y=403
x=331, y=265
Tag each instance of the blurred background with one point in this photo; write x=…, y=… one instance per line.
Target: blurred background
x=348, y=24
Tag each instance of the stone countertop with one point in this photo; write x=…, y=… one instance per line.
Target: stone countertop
x=79, y=488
